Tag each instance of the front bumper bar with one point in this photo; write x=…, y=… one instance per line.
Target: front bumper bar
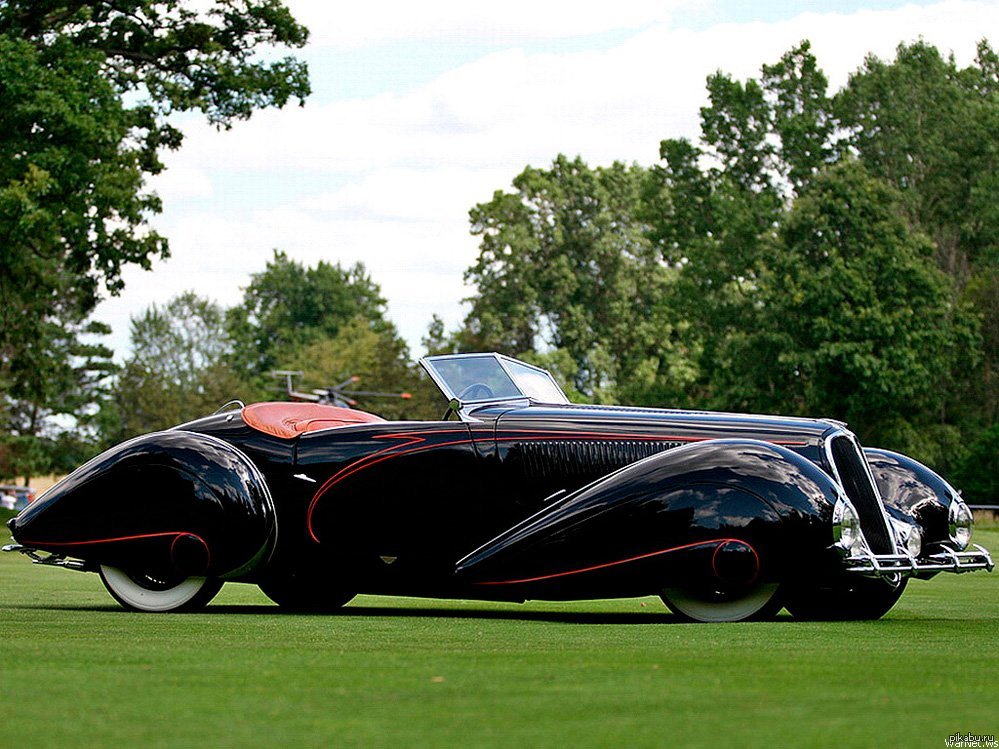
x=886, y=565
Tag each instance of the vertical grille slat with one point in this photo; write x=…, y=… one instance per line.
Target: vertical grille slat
x=849, y=462
x=581, y=459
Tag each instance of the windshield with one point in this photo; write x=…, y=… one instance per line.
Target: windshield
x=475, y=378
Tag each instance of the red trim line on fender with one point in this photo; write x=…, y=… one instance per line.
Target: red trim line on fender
x=714, y=557
x=719, y=541
x=208, y=552
x=140, y=537
x=377, y=457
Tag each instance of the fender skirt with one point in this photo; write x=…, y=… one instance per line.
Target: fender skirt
x=172, y=502
x=728, y=512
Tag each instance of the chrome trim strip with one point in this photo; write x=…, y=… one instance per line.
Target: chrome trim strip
x=887, y=565
x=827, y=448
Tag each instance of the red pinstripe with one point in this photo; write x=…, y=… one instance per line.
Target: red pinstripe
x=178, y=534
x=718, y=541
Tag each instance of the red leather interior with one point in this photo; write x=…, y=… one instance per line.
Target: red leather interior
x=288, y=420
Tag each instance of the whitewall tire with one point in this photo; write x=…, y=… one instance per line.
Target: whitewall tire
x=141, y=592
x=761, y=601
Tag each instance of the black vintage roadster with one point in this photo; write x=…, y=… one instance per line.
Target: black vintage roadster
x=514, y=494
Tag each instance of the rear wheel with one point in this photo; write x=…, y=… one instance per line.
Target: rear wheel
x=861, y=598
x=158, y=592
x=756, y=602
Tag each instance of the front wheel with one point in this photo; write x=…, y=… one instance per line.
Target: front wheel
x=760, y=601
x=860, y=598
x=158, y=593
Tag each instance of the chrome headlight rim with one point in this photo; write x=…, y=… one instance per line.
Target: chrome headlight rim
x=847, y=536
x=908, y=537
x=913, y=542
x=960, y=523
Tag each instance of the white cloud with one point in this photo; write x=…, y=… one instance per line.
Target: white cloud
x=351, y=25
x=408, y=167
x=181, y=181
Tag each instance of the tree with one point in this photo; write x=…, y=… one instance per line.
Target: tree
x=564, y=265
x=178, y=370
x=712, y=209
x=801, y=116
x=289, y=306
x=86, y=90
x=857, y=323
x=931, y=130
x=65, y=383
x=60, y=167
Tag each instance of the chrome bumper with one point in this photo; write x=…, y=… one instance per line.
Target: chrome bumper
x=884, y=565
x=52, y=560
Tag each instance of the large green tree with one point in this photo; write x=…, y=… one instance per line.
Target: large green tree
x=289, y=305
x=713, y=208
x=856, y=322
x=565, y=272
x=931, y=129
x=86, y=94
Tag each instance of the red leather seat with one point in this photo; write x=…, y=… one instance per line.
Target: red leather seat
x=288, y=420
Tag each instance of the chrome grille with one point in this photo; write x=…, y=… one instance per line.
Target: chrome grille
x=850, y=464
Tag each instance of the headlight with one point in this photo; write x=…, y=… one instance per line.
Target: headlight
x=914, y=542
x=846, y=527
x=960, y=521
x=908, y=537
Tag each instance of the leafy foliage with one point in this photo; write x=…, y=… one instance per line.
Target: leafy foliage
x=856, y=321
x=86, y=89
x=288, y=306
x=565, y=264
x=178, y=370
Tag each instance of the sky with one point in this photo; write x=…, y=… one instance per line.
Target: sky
x=421, y=110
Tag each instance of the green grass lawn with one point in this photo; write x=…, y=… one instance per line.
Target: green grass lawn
x=77, y=671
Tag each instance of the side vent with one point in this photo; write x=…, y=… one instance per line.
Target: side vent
x=581, y=459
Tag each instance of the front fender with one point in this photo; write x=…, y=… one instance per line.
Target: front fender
x=651, y=519
x=168, y=502
x=909, y=487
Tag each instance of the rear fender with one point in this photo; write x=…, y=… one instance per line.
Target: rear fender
x=670, y=516
x=166, y=502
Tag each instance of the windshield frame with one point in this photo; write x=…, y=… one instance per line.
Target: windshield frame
x=428, y=364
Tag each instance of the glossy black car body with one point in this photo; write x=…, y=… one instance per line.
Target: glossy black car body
x=727, y=516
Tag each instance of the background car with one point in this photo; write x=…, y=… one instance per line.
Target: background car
x=22, y=495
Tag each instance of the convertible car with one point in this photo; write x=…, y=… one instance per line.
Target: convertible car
x=514, y=494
